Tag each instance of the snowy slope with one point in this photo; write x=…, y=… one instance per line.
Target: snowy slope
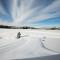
x=33, y=43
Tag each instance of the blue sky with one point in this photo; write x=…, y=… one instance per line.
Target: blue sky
x=30, y=12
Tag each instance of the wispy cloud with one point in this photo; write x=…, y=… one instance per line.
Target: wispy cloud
x=28, y=12
x=51, y=11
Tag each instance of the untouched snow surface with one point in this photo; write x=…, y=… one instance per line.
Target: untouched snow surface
x=31, y=44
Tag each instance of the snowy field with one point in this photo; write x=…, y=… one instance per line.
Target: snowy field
x=33, y=43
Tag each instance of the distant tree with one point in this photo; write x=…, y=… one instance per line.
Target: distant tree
x=53, y=28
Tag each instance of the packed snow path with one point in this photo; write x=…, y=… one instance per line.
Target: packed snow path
x=29, y=45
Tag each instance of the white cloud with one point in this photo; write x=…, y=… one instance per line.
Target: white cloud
x=27, y=15
x=23, y=12
x=50, y=11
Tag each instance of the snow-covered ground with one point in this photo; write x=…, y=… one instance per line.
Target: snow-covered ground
x=33, y=43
